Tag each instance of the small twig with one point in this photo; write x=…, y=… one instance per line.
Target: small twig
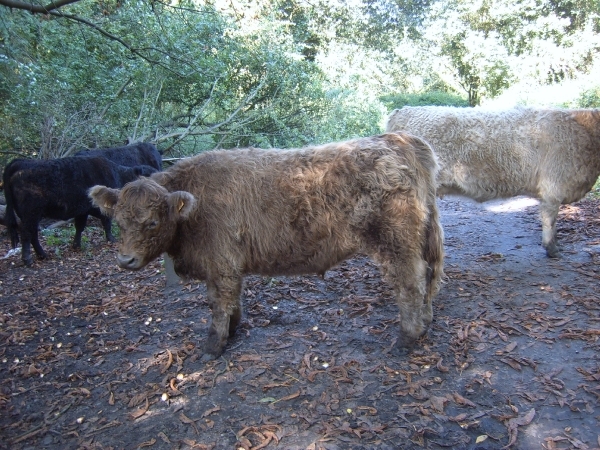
x=36, y=430
x=114, y=423
x=221, y=372
x=14, y=394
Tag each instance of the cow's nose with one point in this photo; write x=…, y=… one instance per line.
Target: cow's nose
x=127, y=261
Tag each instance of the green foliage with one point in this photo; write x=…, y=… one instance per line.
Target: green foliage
x=438, y=98
x=59, y=238
x=186, y=79
x=590, y=98
x=349, y=116
x=196, y=75
x=56, y=237
x=595, y=192
x=116, y=231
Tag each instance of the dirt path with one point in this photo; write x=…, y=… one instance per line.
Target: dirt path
x=95, y=357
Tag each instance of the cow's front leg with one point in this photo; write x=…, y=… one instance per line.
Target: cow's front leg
x=35, y=241
x=107, y=225
x=224, y=300
x=548, y=215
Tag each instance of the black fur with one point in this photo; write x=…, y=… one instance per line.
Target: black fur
x=57, y=189
x=132, y=155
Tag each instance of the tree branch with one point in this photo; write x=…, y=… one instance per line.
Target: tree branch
x=50, y=10
x=36, y=9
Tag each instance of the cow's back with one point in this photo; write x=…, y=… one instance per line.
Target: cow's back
x=58, y=188
x=141, y=153
x=487, y=154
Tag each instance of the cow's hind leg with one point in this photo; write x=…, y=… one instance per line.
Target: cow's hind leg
x=29, y=237
x=80, y=223
x=548, y=215
x=224, y=299
x=408, y=276
x=26, y=247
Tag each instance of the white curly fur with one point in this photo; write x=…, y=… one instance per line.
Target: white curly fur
x=549, y=154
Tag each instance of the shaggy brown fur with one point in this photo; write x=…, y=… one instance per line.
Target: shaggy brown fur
x=224, y=214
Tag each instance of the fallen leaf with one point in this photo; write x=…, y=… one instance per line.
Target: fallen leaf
x=137, y=399
x=459, y=418
x=249, y=358
x=211, y=411
x=149, y=443
x=462, y=401
x=168, y=363
x=441, y=367
x=140, y=412
x=515, y=365
x=80, y=391
x=186, y=419
x=164, y=437
x=372, y=411
x=438, y=403
x=510, y=347
x=514, y=424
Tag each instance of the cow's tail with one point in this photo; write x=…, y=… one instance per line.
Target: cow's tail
x=433, y=242
x=433, y=250
x=433, y=245
x=10, y=218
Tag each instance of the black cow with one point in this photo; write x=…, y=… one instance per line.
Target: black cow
x=140, y=153
x=57, y=189
x=132, y=155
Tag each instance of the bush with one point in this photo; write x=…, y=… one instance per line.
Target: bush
x=589, y=98
x=438, y=98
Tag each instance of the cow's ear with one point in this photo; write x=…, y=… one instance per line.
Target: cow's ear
x=104, y=198
x=181, y=203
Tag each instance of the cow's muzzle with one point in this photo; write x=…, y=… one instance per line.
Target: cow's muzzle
x=128, y=262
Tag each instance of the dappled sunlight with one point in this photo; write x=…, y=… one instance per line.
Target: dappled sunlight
x=511, y=205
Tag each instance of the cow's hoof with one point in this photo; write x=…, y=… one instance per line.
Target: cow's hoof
x=405, y=345
x=212, y=351
x=207, y=357
x=552, y=251
x=401, y=351
x=28, y=262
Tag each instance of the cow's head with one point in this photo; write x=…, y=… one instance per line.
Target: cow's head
x=147, y=214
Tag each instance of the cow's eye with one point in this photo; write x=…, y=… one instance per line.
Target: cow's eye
x=152, y=224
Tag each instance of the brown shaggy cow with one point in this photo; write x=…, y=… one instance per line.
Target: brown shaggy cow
x=223, y=214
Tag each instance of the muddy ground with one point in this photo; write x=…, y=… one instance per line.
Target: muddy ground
x=94, y=357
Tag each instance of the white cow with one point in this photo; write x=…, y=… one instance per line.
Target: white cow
x=549, y=154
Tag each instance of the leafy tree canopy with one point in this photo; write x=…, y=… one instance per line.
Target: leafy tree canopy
x=193, y=75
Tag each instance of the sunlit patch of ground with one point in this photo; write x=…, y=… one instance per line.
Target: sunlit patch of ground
x=511, y=205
